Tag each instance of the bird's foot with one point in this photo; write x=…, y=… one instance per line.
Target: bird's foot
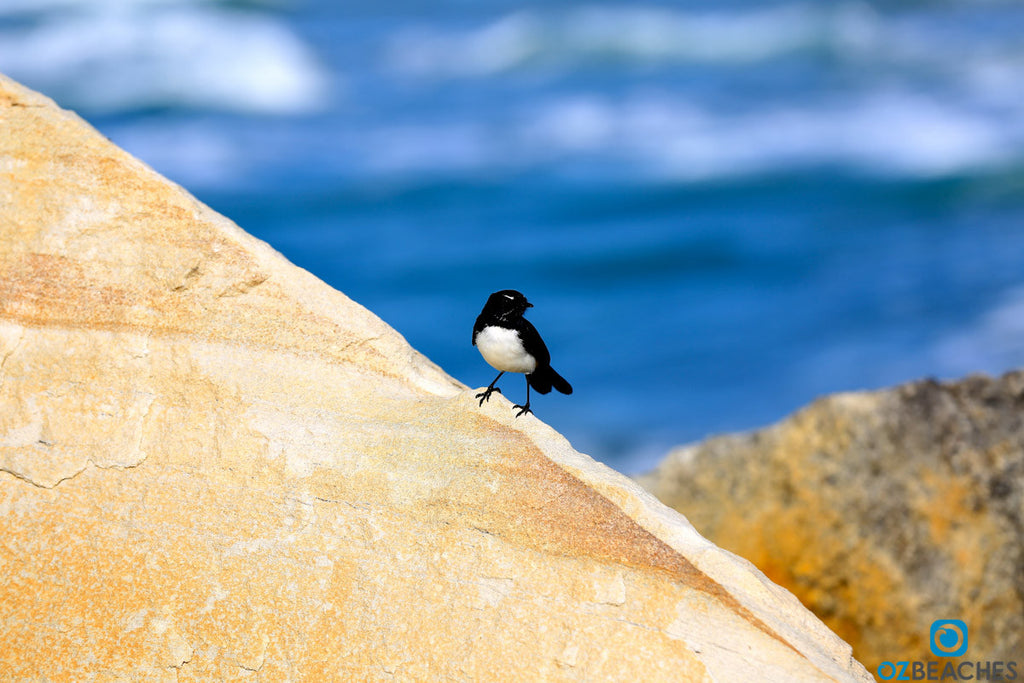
x=486, y=394
x=523, y=409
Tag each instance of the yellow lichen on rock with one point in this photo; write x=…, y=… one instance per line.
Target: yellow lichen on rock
x=883, y=511
x=214, y=466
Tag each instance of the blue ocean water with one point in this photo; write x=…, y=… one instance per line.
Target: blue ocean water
x=721, y=210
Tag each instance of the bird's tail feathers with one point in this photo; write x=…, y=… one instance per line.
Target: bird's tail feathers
x=560, y=383
x=543, y=380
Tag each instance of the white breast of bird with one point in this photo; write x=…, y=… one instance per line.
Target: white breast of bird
x=503, y=349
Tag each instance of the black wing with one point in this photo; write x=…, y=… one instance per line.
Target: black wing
x=478, y=325
x=532, y=342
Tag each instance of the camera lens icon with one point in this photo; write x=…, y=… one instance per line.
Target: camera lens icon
x=949, y=638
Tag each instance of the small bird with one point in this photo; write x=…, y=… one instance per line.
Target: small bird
x=509, y=343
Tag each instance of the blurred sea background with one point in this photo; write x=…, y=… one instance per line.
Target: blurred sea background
x=721, y=210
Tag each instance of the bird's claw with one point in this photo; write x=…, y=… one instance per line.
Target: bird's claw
x=486, y=395
x=523, y=409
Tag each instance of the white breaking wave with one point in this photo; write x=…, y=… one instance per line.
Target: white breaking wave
x=958, y=109
x=888, y=132
x=924, y=42
x=645, y=137
x=920, y=98
x=661, y=135
x=117, y=56
x=630, y=33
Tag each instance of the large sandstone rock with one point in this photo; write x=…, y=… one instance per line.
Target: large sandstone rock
x=213, y=466
x=883, y=511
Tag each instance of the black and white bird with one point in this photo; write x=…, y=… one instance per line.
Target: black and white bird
x=509, y=343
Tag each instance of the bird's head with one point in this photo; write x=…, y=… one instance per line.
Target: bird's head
x=507, y=302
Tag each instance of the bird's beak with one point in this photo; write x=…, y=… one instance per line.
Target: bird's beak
x=529, y=305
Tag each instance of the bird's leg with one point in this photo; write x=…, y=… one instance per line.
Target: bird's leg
x=486, y=394
x=524, y=408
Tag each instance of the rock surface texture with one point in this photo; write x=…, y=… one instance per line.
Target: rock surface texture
x=883, y=511
x=214, y=466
